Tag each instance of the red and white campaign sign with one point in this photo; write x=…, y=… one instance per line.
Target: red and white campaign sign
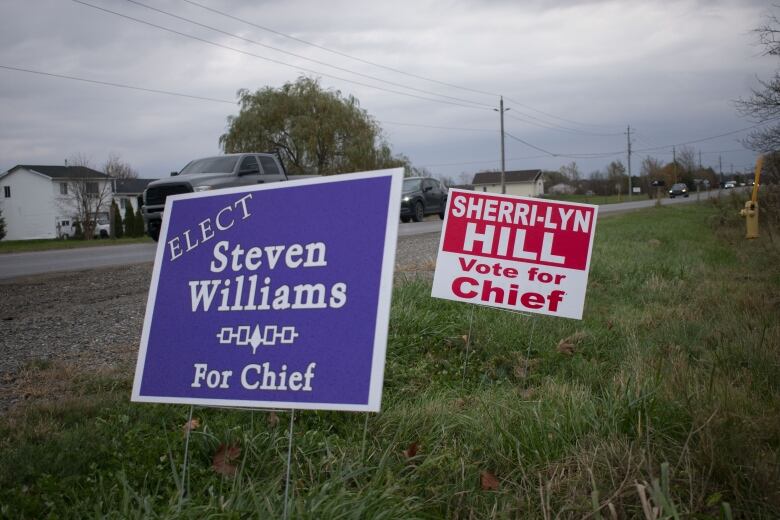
x=518, y=253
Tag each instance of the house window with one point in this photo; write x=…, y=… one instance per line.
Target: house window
x=7, y=192
x=63, y=188
x=92, y=188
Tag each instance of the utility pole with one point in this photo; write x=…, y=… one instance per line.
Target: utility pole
x=674, y=161
x=700, y=159
x=503, y=162
x=628, y=137
x=720, y=169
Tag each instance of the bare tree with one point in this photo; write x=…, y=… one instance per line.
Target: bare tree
x=571, y=171
x=651, y=167
x=465, y=178
x=686, y=159
x=763, y=105
x=117, y=168
x=87, y=195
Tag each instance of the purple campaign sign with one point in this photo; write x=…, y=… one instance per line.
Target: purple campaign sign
x=273, y=295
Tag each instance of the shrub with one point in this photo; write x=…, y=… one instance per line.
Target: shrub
x=117, y=221
x=138, y=227
x=129, y=222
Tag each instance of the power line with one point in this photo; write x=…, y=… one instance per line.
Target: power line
x=554, y=116
x=486, y=161
x=596, y=155
x=704, y=138
x=319, y=62
x=278, y=62
x=118, y=85
x=379, y=65
x=559, y=128
x=440, y=127
x=213, y=100
x=551, y=154
x=338, y=53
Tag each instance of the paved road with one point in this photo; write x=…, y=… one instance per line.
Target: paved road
x=22, y=264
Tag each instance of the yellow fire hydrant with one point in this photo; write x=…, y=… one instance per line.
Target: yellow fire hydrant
x=750, y=211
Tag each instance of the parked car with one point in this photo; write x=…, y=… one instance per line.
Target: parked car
x=209, y=173
x=69, y=228
x=678, y=189
x=730, y=184
x=422, y=196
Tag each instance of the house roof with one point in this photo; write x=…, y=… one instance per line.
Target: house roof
x=62, y=172
x=511, y=177
x=131, y=186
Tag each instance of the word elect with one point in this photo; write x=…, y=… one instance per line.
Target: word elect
x=223, y=220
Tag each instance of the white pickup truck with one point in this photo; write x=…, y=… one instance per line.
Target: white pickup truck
x=66, y=228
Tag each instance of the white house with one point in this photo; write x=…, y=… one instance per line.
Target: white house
x=127, y=193
x=517, y=182
x=41, y=201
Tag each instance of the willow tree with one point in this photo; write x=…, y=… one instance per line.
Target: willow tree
x=316, y=131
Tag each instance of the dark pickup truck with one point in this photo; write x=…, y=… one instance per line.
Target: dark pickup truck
x=209, y=173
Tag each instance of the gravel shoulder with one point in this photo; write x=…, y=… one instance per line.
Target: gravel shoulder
x=91, y=320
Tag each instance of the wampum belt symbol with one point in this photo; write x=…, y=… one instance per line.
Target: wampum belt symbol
x=244, y=335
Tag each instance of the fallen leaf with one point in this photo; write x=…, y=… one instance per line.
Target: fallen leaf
x=411, y=451
x=489, y=481
x=576, y=337
x=654, y=242
x=528, y=394
x=465, y=338
x=610, y=324
x=192, y=424
x=224, y=458
x=566, y=348
x=568, y=345
x=460, y=403
x=273, y=420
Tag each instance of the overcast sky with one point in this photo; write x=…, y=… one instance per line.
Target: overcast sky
x=567, y=70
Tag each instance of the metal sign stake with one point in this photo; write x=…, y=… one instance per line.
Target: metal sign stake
x=468, y=344
x=530, y=342
x=363, y=444
x=289, y=461
x=188, y=429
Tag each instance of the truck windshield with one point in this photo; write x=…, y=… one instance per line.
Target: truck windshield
x=211, y=165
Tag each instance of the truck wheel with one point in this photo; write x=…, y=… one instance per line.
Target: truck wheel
x=405, y=219
x=154, y=233
x=419, y=212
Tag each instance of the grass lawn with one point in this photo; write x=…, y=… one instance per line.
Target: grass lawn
x=25, y=246
x=667, y=395
x=597, y=199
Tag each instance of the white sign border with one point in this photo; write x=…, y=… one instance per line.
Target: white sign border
x=594, y=207
x=382, y=311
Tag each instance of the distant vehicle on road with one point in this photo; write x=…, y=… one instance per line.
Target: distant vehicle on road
x=730, y=184
x=679, y=189
x=422, y=196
